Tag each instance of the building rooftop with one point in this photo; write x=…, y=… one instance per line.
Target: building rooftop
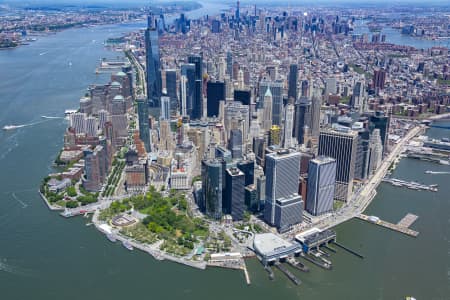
x=269, y=243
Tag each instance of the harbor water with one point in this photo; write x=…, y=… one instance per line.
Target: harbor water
x=44, y=256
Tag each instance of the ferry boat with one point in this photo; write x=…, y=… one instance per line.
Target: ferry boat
x=127, y=245
x=11, y=127
x=111, y=238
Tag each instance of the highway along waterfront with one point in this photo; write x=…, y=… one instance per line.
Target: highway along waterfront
x=44, y=256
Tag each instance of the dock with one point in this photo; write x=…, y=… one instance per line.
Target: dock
x=399, y=227
x=323, y=265
x=247, y=276
x=411, y=184
x=288, y=273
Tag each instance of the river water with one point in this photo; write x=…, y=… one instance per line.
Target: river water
x=43, y=256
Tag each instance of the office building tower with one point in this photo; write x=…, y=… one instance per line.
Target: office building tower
x=376, y=151
x=234, y=198
x=302, y=118
x=144, y=128
x=197, y=104
x=357, y=99
x=86, y=105
x=171, y=88
x=153, y=64
x=282, y=178
x=215, y=92
x=316, y=104
x=119, y=120
x=276, y=91
x=91, y=126
x=187, y=89
x=321, y=185
x=362, y=154
x=288, y=140
x=215, y=26
x=293, y=77
x=212, y=181
x=251, y=198
x=340, y=144
x=248, y=167
x=379, y=79
x=235, y=143
x=267, y=110
x=165, y=108
x=380, y=121
x=243, y=96
x=275, y=135
x=103, y=117
x=229, y=61
x=95, y=168
x=288, y=212
x=305, y=88
x=78, y=122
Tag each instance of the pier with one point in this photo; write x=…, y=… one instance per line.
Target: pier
x=411, y=184
x=323, y=265
x=288, y=273
x=399, y=227
x=247, y=276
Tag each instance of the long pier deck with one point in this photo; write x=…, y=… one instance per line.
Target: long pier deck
x=399, y=227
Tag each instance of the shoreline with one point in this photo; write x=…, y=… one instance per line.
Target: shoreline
x=155, y=253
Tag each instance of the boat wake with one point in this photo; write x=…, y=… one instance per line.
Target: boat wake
x=24, y=205
x=5, y=267
x=437, y=173
x=51, y=117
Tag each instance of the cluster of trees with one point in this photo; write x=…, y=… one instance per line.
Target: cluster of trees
x=87, y=199
x=114, y=177
x=71, y=191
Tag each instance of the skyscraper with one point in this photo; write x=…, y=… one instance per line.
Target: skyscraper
x=197, y=104
x=235, y=143
x=341, y=144
x=376, y=150
x=153, y=64
x=267, y=110
x=380, y=121
x=321, y=185
x=144, y=129
x=212, y=181
x=288, y=141
x=282, y=179
x=276, y=90
x=165, y=108
x=293, y=77
x=235, y=193
x=316, y=104
x=187, y=89
x=379, y=78
x=171, y=87
x=215, y=92
x=302, y=118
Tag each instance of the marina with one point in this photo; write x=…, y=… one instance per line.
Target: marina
x=399, y=227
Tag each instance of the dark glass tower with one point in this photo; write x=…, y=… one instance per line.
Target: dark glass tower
x=153, y=64
x=215, y=92
x=293, y=76
x=144, y=130
x=197, y=105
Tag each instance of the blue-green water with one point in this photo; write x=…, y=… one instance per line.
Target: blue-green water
x=394, y=36
x=43, y=256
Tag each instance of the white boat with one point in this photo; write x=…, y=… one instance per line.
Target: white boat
x=12, y=127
